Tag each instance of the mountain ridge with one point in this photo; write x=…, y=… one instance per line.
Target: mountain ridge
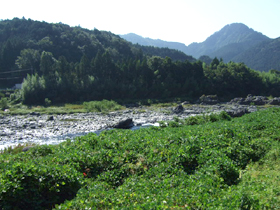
x=231, y=43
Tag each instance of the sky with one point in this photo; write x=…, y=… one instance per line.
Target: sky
x=184, y=21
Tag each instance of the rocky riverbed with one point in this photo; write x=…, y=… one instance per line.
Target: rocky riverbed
x=52, y=129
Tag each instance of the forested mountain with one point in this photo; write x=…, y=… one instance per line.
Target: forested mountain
x=136, y=39
x=62, y=40
x=264, y=56
x=228, y=42
x=70, y=64
x=162, y=52
x=234, y=42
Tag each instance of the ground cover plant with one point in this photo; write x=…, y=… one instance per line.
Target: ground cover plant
x=103, y=106
x=207, y=162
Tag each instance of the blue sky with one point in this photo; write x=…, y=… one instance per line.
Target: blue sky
x=184, y=21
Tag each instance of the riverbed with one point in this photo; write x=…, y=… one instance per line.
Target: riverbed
x=52, y=129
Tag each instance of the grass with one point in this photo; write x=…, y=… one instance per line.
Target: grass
x=93, y=106
x=12, y=150
x=102, y=106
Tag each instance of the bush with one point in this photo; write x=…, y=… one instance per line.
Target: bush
x=4, y=103
x=48, y=102
x=33, y=186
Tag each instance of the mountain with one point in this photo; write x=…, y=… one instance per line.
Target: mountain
x=263, y=57
x=234, y=42
x=136, y=39
x=159, y=47
x=71, y=42
x=228, y=42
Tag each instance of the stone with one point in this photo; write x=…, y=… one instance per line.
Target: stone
x=50, y=118
x=178, y=109
x=124, y=124
x=256, y=100
x=274, y=101
x=237, y=101
x=238, y=112
x=208, y=99
x=35, y=114
x=25, y=149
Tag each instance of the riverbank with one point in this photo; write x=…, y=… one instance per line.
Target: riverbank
x=212, y=162
x=52, y=129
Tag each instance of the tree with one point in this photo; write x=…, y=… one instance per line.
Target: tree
x=63, y=67
x=33, y=89
x=215, y=62
x=29, y=58
x=84, y=67
x=46, y=64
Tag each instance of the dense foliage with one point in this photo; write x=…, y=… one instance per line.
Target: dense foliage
x=69, y=64
x=100, y=78
x=19, y=36
x=204, y=162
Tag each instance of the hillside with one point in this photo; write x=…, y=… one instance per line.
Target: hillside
x=264, y=56
x=60, y=64
x=136, y=39
x=229, y=41
x=71, y=42
x=234, y=42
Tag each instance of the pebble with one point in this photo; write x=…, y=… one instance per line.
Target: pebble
x=49, y=129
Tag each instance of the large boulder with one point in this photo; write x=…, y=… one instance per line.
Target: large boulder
x=237, y=101
x=238, y=112
x=124, y=124
x=274, y=101
x=208, y=99
x=25, y=149
x=178, y=109
x=250, y=100
x=256, y=100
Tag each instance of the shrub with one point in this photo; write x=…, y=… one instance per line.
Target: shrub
x=48, y=102
x=4, y=103
x=33, y=186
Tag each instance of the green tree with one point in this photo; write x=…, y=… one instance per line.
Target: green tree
x=47, y=63
x=63, y=67
x=33, y=89
x=29, y=58
x=84, y=67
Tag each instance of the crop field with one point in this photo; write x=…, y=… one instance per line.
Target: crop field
x=204, y=162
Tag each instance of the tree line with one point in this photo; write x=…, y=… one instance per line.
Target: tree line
x=68, y=64
x=153, y=77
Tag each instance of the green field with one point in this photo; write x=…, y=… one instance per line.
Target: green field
x=204, y=162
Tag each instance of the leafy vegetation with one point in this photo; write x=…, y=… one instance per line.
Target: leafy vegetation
x=215, y=163
x=22, y=43
x=102, y=106
x=4, y=103
x=63, y=64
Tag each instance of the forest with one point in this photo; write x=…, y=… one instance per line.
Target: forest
x=62, y=64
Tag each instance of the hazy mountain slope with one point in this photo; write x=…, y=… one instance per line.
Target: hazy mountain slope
x=228, y=42
x=136, y=39
x=263, y=57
